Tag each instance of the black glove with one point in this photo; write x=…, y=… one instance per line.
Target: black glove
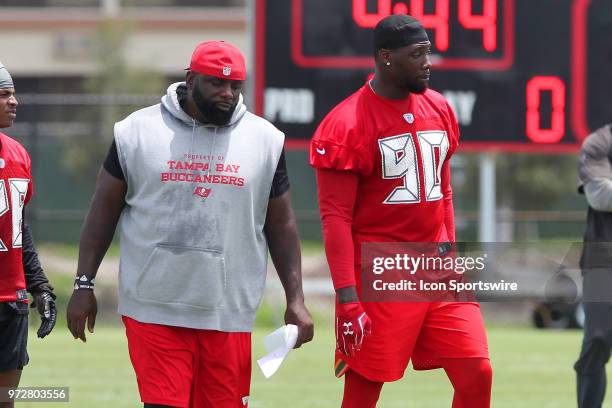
x=44, y=301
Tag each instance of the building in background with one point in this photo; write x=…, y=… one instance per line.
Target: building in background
x=79, y=65
x=49, y=44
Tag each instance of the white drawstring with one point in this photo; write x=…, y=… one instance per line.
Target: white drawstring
x=212, y=149
x=193, y=127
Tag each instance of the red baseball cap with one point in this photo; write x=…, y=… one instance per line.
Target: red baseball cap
x=219, y=59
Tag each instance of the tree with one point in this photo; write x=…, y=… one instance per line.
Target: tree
x=111, y=84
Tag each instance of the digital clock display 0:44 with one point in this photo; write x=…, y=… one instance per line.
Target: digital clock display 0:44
x=520, y=74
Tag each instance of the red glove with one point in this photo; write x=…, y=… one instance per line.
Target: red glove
x=352, y=325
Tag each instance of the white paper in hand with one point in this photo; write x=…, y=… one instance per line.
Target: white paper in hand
x=278, y=344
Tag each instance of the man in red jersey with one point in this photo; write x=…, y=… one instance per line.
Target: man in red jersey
x=382, y=158
x=20, y=270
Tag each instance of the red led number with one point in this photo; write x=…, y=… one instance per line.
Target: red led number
x=369, y=20
x=487, y=21
x=535, y=87
x=438, y=21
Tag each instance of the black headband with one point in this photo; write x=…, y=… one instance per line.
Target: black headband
x=398, y=30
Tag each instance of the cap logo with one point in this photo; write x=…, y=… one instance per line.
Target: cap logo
x=227, y=71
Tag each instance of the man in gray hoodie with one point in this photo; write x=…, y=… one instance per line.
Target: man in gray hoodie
x=199, y=187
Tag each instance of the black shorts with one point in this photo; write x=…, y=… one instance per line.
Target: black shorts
x=13, y=335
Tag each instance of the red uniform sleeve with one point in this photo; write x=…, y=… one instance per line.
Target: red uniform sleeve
x=447, y=190
x=337, y=194
x=449, y=210
x=338, y=145
x=30, y=189
x=454, y=128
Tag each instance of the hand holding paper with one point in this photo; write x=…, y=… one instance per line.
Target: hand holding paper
x=278, y=344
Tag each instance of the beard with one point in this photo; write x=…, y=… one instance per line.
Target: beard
x=210, y=111
x=418, y=87
x=412, y=85
x=415, y=87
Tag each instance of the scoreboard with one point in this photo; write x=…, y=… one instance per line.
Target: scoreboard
x=521, y=75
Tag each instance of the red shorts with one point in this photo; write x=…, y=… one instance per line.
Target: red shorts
x=423, y=332
x=190, y=368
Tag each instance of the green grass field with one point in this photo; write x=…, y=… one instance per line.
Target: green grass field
x=531, y=369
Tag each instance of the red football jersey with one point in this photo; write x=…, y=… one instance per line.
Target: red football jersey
x=15, y=192
x=401, y=151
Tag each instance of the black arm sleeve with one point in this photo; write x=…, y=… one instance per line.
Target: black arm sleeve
x=111, y=163
x=280, y=183
x=34, y=274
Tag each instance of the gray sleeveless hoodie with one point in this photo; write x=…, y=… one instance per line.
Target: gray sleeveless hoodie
x=193, y=252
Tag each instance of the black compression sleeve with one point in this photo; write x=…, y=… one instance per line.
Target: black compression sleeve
x=111, y=163
x=280, y=183
x=34, y=274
